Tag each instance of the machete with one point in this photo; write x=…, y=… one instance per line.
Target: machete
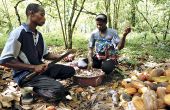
x=33, y=74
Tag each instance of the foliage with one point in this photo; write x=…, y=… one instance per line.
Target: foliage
x=137, y=46
x=145, y=16
x=140, y=46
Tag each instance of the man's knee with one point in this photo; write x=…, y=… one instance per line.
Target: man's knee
x=108, y=66
x=71, y=71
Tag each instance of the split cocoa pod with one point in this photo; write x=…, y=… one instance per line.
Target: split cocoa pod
x=151, y=85
x=143, y=76
x=168, y=89
x=162, y=84
x=137, y=84
x=161, y=103
x=126, y=84
x=142, y=90
x=167, y=72
x=138, y=103
x=51, y=108
x=161, y=92
x=156, y=73
x=161, y=79
x=130, y=90
x=167, y=99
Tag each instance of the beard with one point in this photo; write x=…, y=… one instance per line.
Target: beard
x=40, y=23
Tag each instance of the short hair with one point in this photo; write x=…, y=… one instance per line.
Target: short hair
x=101, y=17
x=33, y=7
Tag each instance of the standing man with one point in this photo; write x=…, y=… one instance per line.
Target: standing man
x=24, y=51
x=106, y=43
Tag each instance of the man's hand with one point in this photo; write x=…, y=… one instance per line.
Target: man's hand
x=90, y=60
x=40, y=68
x=127, y=30
x=122, y=42
x=69, y=58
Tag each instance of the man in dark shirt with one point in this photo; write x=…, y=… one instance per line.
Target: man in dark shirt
x=24, y=51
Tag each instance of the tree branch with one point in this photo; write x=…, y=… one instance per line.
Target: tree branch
x=86, y=12
x=65, y=22
x=16, y=11
x=148, y=24
x=78, y=15
x=40, y=2
x=52, y=15
x=72, y=13
x=167, y=28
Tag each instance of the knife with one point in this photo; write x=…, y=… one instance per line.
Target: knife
x=33, y=74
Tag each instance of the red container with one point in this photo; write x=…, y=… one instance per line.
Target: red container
x=89, y=81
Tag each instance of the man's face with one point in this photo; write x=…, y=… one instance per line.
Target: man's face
x=101, y=25
x=38, y=18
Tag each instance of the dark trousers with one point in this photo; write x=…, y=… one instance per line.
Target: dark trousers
x=107, y=65
x=46, y=85
x=96, y=62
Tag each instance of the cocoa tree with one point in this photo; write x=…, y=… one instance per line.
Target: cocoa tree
x=68, y=22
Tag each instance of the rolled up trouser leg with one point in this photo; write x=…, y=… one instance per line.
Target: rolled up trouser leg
x=48, y=88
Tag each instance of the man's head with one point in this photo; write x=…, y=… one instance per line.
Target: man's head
x=101, y=21
x=35, y=14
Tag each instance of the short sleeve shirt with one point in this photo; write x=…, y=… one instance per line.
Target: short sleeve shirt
x=102, y=43
x=25, y=46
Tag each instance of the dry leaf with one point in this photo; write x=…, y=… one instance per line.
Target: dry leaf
x=79, y=90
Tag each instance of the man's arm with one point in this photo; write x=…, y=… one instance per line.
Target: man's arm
x=90, y=55
x=123, y=40
x=17, y=65
x=90, y=60
x=52, y=56
x=90, y=51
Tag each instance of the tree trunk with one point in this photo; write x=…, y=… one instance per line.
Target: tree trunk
x=70, y=40
x=72, y=26
x=133, y=13
x=107, y=9
x=62, y=27
x=116, y=13
x=65, y=23
x=167, y=28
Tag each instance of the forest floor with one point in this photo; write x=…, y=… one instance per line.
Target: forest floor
x=108, y=95
x=139, y=62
